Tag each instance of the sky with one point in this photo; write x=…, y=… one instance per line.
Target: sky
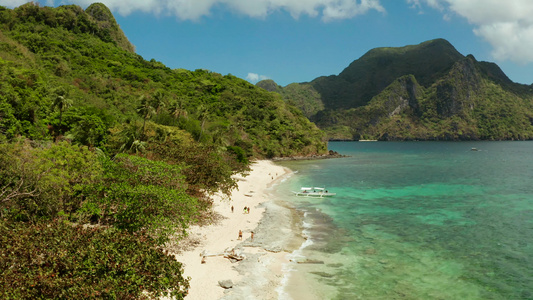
x=298, y=40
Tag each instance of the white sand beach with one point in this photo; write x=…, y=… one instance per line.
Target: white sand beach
x=276, y=234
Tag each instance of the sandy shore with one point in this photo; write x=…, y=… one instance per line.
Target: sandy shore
x=276, y=234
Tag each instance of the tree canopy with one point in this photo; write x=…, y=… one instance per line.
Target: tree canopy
x=105, y=155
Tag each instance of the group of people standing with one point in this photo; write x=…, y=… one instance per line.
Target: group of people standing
x=246, y=209
x=251, y=235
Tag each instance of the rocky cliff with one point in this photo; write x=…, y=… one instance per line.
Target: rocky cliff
x=421, y=92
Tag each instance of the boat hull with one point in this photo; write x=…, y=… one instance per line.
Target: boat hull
x=315, y=195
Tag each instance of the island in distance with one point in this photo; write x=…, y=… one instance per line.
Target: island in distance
x=428, y=91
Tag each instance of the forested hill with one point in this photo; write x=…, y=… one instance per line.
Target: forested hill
x=425, y=92
x=105, y=157
x=84, y=56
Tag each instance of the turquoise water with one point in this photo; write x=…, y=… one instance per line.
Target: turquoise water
x=419, y=220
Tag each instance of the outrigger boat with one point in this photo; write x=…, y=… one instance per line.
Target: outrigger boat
x=313, y=192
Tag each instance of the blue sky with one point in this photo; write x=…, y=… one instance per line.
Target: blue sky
x=299, y=40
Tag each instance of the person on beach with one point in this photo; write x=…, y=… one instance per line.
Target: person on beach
x=232, y=209
x=252, y=236
x=248, y=210
x=240, y=235
x=245, y=208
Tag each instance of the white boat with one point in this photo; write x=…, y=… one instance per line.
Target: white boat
x=313, y=192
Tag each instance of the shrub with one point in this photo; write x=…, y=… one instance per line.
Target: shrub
x=56, y=260
x=136, y=193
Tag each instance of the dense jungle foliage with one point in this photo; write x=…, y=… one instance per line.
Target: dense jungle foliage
x=104, y=156
x=418, y=92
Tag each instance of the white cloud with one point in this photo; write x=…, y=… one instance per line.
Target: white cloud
x=506, y=25
x=430, y=3
x=510, y=40
x=253, y=77
x=12, y=3
x=328, y=10
x=345, y=9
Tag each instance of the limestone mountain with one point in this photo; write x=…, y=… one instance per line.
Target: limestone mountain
x=425, y=92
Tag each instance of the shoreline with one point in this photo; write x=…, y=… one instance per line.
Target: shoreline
x=331, y=154
x=277, y=232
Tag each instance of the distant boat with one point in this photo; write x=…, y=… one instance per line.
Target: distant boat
x=474, y=149
x=313, y=192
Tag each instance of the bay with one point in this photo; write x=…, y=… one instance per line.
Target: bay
x=417, y=220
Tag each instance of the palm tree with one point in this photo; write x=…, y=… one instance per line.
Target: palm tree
x=137, y=146
x=203, y=115
x=62, y=103
x=220, y=138
x=145, y=110
x=177, y=108
x=158, y=101
x=127, y=137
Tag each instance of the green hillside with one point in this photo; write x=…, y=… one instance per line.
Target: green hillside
x=104, y=156
x=305, y=97
x=420, y=92
x=88, y=58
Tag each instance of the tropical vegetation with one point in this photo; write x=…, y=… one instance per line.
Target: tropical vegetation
x=105, y=156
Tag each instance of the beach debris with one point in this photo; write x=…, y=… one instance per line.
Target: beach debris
x=227, y=284
x=233, y=256
x=229, y=253
x=207, y=254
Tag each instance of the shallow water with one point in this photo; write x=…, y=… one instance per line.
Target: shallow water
x=418, y=220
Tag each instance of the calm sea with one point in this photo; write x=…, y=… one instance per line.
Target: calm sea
x=418, y=220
